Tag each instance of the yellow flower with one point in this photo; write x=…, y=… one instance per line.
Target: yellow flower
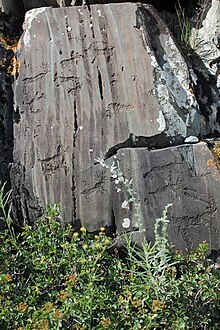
x=170, y=271
x=136, y=303
x=58, y=315
x=63, y=295
x=22, y=307
x=105, y=323
x=83, y=229
x=8, y=277
x=210, y=162
x=48, y=307
x=76, y=234
x=85, y=246
x=71, y=279
x=43, y=325
x=108, y=240
x=102, y=229
x=42, y=260
x=157, y=305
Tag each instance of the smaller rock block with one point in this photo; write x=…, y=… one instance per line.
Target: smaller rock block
x=185, y=176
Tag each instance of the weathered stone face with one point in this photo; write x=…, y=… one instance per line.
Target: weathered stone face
x=94, y=83
x=205, y=42
x=185, y=176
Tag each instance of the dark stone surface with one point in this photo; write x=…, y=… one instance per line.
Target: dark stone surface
x=6, y=113
x=185, y=176
x=95, y=82
x=12, y=7
x=17, y=6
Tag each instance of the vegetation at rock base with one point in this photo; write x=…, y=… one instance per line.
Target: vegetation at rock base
x=187, y=26
x=54, y=278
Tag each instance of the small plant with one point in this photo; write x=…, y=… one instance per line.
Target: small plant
x=5, y=210
x=184, y=26
x=121, y=181
x=187, y=30
x=54, y=278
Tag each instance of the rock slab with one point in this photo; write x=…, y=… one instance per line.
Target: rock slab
x=94, y=82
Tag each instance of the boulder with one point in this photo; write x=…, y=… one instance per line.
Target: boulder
x=95, y=82
x=186, y=176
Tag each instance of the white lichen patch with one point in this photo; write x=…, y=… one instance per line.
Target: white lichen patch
x=29, y=17
x=80, y=11
x=161, y=121
x=193, y=76
x=153, y=61
x=179, y=109
x=175, y=62
x=148, y=49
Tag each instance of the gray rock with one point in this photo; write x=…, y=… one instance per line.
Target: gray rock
x=206, y=61
x=91, y=86
x=185, y=176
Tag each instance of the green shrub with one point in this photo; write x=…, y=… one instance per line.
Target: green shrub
x=54, y=278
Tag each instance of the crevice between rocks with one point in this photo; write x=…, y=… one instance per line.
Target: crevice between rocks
x=73, y=163
x=100, y=84
x=159, y=141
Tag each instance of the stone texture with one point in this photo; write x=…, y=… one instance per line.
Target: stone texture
x=185, y=176
x=205, y=36
x=92, y=83
x=205, y=42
